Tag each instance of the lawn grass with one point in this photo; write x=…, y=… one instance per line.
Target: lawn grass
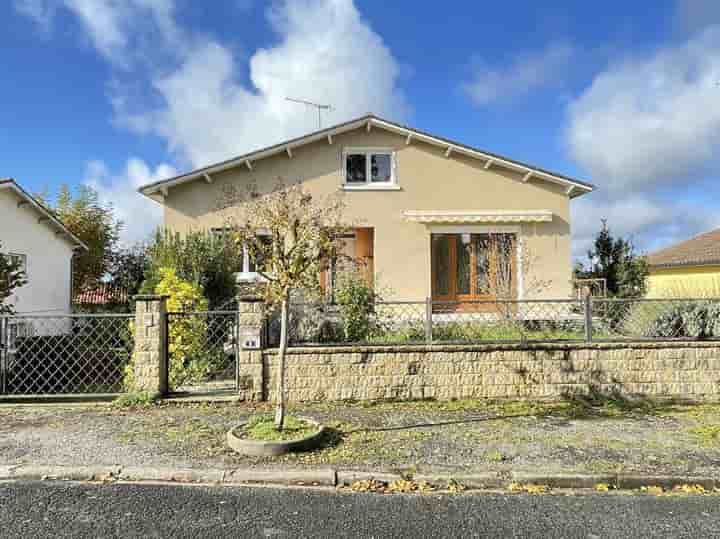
x=262, y=428
x=709, y=435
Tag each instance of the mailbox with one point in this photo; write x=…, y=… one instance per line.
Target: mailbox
x=250, y=338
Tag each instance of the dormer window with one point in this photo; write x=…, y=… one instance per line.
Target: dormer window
x=368, y=168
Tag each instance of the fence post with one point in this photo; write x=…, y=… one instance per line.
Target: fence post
x=150, y=355
x=250, y=367
x=428, y=320
x=588, y=318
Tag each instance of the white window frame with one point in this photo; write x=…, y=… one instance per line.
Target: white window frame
x=17, y=330
x=23, y=259
x=368, y=184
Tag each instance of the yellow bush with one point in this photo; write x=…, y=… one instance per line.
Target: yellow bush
x=191, y=356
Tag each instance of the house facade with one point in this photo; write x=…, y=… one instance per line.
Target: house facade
x=690, y=268
x=30, y=233
x=424, y=207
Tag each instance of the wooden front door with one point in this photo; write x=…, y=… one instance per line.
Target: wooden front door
x=472, y=267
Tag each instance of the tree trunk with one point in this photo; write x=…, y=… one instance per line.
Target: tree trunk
x=280, y=387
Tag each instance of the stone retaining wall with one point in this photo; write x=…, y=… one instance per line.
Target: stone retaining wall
x=443, y=372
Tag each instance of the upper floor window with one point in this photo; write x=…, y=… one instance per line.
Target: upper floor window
x=367, y=167
x=20, y=260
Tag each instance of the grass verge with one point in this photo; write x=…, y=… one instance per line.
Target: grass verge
x=262, y=428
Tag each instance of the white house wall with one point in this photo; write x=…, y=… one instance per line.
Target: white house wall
x=48, y=258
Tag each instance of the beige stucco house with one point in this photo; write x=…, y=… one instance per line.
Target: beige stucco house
x=426, y=206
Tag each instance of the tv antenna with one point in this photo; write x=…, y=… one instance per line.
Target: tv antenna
x=320, y=107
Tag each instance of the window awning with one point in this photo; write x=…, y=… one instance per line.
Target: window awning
x=478, y=216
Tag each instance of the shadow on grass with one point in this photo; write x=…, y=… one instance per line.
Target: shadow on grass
x=331, y=437
x=594, y=405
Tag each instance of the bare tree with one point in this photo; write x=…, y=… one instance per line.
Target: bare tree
x=288, y=234
x=509, y=259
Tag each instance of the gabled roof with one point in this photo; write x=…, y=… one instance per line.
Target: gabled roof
x=574, y=187
x=46, y=215
x=702, y=250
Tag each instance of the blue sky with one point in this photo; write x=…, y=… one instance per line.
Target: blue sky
x=116, y=93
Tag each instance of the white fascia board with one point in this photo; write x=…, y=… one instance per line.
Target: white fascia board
x=45, y=216
x=248, y=159
x=496, y=161
x=367, y=123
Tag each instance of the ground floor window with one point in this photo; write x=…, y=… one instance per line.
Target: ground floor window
x=469, y=266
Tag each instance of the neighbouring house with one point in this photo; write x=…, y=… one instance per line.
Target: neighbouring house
x=426, y=206
x=31, y=233
x=102, y=297
x=689, y=268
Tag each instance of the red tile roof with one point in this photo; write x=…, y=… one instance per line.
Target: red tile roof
x=103, y=294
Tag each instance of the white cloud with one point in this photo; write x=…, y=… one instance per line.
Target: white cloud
x=41, y=11
x=191, y=89
x=651, y=223
x=694, y=15
x=650, y=121
x=140, y=215
x=121, y=30
x=326, y=53
x=525, y=73
x=647, y=131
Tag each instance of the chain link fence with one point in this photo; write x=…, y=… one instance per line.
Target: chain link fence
x=202, y=350
x=514, y=321
x=89, y=353
x=65, y=354
x=655, y=319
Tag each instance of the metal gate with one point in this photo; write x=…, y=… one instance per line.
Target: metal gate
x=66, y=354
x=202, y=351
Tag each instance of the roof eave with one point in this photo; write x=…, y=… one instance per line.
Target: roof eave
x=9, y=183
x=690, y=264
x=575, y=188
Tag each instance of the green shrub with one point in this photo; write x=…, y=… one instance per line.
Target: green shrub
x=207, y=260
x=356, y=299
x=141, y=399
x=192, y=356
x=673, y=319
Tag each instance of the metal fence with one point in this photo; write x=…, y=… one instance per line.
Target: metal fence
x=65, y=354
x=517, y=321
x=202, y=350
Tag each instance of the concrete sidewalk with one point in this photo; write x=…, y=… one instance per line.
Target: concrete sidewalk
x=486, y=444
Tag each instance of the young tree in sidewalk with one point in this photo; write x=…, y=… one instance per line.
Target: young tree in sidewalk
x=12, y=276
x=299, y=232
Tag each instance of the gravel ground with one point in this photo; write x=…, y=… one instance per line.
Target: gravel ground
x=429, y=437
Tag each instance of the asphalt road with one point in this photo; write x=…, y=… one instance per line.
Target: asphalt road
x=45, y=509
